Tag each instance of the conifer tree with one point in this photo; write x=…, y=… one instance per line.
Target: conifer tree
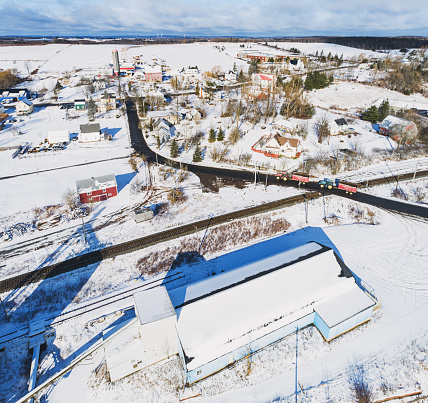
x=220, y=135
x=384, y=110
x=197, y=155
x=371, y=114
x=212, y=136
x=174, y=149
x=158, y=142
x=197, y=89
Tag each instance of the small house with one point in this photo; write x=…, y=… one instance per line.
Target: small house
x=80, y=104
x=168, y=114
x=58, y=136
x=153, y=74
x=230, y=76
x=396, y=127
x=162, y=129
x=265, y=81
x=24, y=107
x=90, y=133
x=96, y=188
x=338, y=126
x=277, y=146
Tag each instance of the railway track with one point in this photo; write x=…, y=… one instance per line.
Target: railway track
x=139, y=144
x=87, y=259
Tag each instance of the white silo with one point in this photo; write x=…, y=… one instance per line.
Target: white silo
x=116, y=66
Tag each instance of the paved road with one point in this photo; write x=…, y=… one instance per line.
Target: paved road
x=211, y=173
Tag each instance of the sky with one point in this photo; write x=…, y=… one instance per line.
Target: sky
x=214, y=17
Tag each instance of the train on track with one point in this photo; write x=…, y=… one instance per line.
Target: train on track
x=303, y=178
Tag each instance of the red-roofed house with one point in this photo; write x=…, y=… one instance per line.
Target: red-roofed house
x=265, y=81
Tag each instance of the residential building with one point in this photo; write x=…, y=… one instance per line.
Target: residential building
x=162, y=129
x=58, y=136
x=14, y=95
x=24, y=107
x=90, y=133
x=396, y=127
x=277, y=146
x=96, y=188
x=153, y=73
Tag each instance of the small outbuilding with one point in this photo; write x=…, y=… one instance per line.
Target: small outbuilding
x=96, y=188
x=143, y=214
x=58, y=136
x=80, y=104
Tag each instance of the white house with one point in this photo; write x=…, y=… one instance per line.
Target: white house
x=24, y=107
x=90, y=133
x=338, y=126
x=58, y=136
x=230, y=76
x=277, y=146
x=162, y=129
x=264, y=81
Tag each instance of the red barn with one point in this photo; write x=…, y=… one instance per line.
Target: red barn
x=97, y=189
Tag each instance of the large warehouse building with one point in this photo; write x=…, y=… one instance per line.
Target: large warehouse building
x=217, y=321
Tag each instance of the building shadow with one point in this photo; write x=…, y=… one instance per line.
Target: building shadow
x=194, y=267
x=112, y=131
x=36, y=304
x=124, y=179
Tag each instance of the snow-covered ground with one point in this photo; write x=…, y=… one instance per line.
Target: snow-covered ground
x=390, y=257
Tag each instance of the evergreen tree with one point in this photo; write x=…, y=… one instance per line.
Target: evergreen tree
x=92, y=108
x=371, y=114
x=220, y=135
x=158, y=142
x=384, y=110
x=234, y=67
x=197, y=89
x=174, y=149
x=241, y=77
x=212, y=136
x=197, y=155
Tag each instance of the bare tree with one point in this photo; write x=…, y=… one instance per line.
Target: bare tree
x=322, y=129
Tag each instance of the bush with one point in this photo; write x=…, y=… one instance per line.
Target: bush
x=359, y=385
x=9, y=78
x=234, y=135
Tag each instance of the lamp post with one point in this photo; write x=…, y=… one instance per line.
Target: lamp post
x=211, y=216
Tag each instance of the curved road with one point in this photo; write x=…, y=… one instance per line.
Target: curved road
x=139, y=144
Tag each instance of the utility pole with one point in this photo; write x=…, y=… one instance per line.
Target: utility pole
x=211, y=216
x=84, y=231
x=297, y=349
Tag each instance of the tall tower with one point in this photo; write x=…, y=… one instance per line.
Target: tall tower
x=116, y=66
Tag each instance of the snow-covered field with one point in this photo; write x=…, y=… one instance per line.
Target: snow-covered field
x=391, y=257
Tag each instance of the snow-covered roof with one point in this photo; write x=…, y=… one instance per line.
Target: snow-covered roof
x=152, y=69
x=153, y=305
x=390, y=121
x=225, y=312
x=26, y=101
x=95, y=183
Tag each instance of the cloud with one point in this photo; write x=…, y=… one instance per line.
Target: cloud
x=219, y=17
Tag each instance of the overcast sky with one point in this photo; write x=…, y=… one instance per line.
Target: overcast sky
x=214, y=17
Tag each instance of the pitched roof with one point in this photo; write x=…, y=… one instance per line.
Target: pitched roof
x=390, y=121
x=95, y=183
x=282, y=140
x=26, y=101
x=341, y=122
x=90, y=128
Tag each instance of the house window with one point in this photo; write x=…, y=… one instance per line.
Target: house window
x=89, y=193
x=104, y=190
x=109, y=194
x=199, y=372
